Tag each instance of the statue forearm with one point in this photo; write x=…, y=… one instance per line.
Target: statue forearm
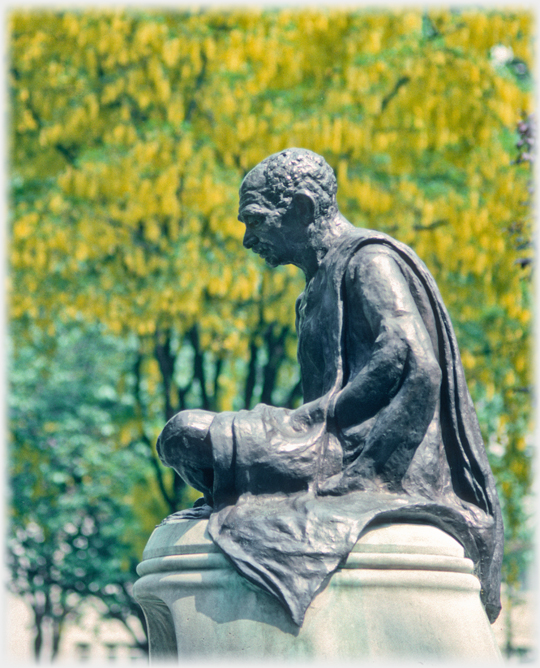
x=404, y=422
x=390, y=403
x=378, y=381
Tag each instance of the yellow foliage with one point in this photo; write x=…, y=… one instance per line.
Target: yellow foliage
x=132, y=132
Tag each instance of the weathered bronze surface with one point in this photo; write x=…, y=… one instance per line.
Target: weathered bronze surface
x=388, y=431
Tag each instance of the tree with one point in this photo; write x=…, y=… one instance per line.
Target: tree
x=132, y=131
x=72, y=483
x=517, y=504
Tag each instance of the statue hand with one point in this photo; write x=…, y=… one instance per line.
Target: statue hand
x=310, y=413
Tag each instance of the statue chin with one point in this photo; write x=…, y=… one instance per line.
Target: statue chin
x=270, y=260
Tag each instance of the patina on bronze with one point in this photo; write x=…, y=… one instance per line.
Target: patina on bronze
x=388, y=431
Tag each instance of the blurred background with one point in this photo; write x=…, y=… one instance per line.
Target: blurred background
x=131, y=297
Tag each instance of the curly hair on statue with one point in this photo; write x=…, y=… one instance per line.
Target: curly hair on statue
x=294, y=169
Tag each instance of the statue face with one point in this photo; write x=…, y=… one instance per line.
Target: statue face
x=267, y=231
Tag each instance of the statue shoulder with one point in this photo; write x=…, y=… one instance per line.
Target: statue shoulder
x=373, y=261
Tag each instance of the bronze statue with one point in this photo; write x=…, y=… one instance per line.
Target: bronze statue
x=388, y=431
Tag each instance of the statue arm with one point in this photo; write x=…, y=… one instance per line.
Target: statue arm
x=399, y=384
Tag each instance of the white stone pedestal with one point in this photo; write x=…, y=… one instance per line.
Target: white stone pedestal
x=405, y=593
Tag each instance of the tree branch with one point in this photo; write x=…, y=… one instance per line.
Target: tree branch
x=399, y=83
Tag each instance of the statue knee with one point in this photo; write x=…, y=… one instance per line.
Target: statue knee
x=184, y=439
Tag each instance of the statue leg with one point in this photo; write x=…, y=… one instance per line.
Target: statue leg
x=185, y=446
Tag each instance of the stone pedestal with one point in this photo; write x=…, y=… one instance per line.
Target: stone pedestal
x=405, y=593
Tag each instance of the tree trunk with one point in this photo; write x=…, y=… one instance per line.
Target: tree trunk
x=251, y=375
x=38, y=637
x=165, y=359
x=57, y=625
x=275, y=346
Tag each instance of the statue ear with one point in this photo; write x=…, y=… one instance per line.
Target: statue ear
x=305, y=206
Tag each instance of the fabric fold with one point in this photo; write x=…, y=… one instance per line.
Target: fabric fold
x=277, y=518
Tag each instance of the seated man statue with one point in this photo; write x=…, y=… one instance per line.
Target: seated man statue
x=388, y=431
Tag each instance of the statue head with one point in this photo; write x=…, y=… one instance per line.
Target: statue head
x=281, y=176
x=283, y=201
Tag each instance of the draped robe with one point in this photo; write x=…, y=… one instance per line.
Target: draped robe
x=291, y=498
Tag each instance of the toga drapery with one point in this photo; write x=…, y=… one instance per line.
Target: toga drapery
x=290, y=499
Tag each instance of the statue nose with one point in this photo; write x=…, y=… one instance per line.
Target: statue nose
x=249, y=239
